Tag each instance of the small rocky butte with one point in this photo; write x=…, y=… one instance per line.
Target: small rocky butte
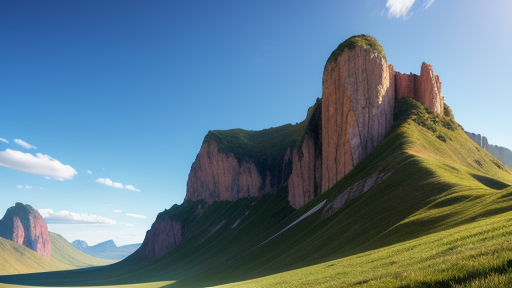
x=24, y=225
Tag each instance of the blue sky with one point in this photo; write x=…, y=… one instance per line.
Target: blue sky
x=126, y=90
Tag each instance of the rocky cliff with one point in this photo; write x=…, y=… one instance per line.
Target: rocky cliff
x=426, y=88
x=164, y=235
x=358, y=95
x=217, y=176
x=305, y=182
x=24, y=225
x=353, y=117
x=343, y=127
x=234, y=164
x=501, y=153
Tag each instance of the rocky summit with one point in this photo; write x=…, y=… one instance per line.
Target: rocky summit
x=24, y=225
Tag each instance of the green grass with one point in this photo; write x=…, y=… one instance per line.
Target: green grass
x=365, y=41
x=471, y=251
x=436, y=220
x=17, y=259
x=64, y=252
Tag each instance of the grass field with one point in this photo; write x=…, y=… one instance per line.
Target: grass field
x=441, y=219
x=16, y=259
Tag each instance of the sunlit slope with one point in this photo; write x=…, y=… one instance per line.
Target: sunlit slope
x=17, y=259
x=64, y=252
x=441, y=186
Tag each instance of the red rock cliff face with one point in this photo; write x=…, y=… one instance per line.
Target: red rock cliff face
x=426, y=88
x=306, y=177
x=215, y=176
x=358, y=96
x=18, y=234
x=24, y=225
x=164, y=235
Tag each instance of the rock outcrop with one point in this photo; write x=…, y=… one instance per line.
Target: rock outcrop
x=164, y=235
x=501, y=153
x=24, y=225
x=306, y=179
x=354, y=191
x=358, y=97
x=425, y=88
x=216, y=176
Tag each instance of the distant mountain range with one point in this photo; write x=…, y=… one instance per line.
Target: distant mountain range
x=106, y=250
x=501, y=153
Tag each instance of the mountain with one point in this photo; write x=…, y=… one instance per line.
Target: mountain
x=27, y=246
x=354, y=115
x=106, y=250
x=501, y=153
x=25, y=226
x=379, y=186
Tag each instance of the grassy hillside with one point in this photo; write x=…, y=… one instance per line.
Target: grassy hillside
x=17, y=259
x=64, y=252
x=442, y=218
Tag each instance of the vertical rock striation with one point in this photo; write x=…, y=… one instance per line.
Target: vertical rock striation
x=164, y=235
x=357, y=106
x=426, y=88
x=306, y=179
x=24, y=225
x=216, y=176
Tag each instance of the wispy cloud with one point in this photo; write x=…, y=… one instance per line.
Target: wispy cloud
x=117, y=211
x=66, y=217
x=427, y=4
x=3, y=140
x=24, y=144
x=89, y=172
x=26, y=187
x=399, y=8
x=130, y=187
x=108, y=182
x=40, y=164
x=135, y=215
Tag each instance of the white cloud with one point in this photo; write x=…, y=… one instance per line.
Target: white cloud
x=24, y=144
x=40, y=164
x=117, y=211
x=136, y=215
x=130, y=187
x=28, y=186
x=89, y=171
x=399, y=8
x=427, y=4
x=108, y=182
x=19, y=186
x=3, y=140
x=66, y=217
